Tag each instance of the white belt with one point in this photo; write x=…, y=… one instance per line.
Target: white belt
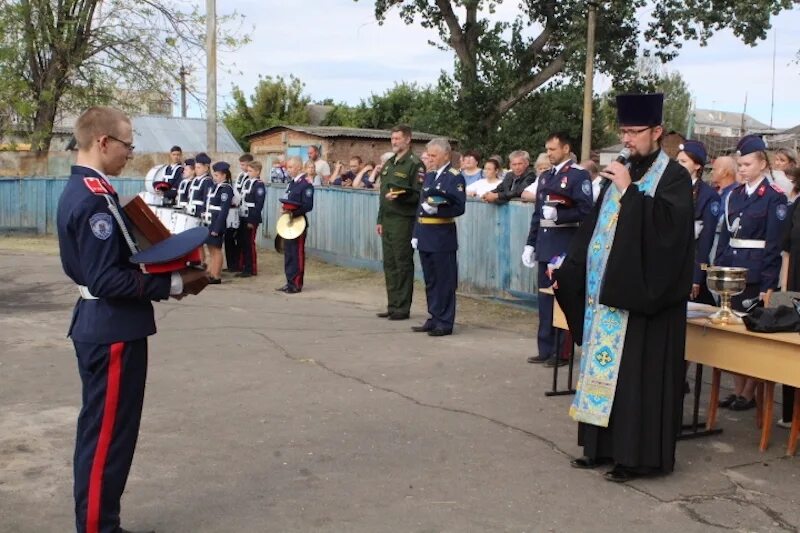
x=214, y=208
x=547, y=223
x=85, y=294
x=748, y=243
x=197, y=202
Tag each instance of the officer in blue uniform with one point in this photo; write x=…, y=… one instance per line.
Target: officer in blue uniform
x=563, y=199
x=200, y=186
x=297, y=201
x=174, y=173
x=111, y=320
x=215, y=216
x=253, y=194
x=442, y=198
x=754, y=218
x=707, y=210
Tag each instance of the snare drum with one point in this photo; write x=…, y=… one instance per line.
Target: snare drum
x=165, y=215
x=182, y=222
x=151, y=198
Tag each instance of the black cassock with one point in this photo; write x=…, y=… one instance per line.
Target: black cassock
x=648, y=273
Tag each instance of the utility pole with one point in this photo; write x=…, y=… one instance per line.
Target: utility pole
x=588, y=91
x=774, y=55
x=211, y=75
x=183, y=90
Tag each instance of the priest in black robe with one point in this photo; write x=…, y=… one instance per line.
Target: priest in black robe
x=648, y=273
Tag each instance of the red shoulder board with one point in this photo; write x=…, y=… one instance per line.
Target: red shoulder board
x=777, y=188
x=96, y=185
x=565, y=169
x=762, y=190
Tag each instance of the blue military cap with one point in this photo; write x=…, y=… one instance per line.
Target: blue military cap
x=202, y=158
x=695, y=148
x=749, y=144
x=172, y=248
x=189, y=162
x=220, y=166
x=640, y=109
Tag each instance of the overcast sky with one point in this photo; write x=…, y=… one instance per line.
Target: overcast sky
x=338, y=50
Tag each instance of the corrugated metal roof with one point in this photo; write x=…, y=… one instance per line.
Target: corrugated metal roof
x=153, y=133
x=334, y=131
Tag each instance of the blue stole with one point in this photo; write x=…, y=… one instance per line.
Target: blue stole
x=604, y=328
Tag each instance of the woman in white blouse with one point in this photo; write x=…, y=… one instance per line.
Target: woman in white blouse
x=489, y=182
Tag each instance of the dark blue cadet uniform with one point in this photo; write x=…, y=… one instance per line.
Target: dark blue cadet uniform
x=437, y=243
x=707, y=211
x=572, y=185
x=751, y=234
x=233, y=248
x=299, y=200
x=251, y=206
x=174, y=175
x=215, y=215
x=110, y=325
x=198, y=193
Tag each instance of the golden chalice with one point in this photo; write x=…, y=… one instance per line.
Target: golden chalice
x=726, y=282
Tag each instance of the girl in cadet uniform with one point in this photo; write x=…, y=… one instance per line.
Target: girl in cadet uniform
x=754, y=216
x=218, y=203
x=707, y=208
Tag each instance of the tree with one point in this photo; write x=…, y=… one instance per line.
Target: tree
x=677, y=102
x=274, y=101
x=499, y=63
x=61, y=56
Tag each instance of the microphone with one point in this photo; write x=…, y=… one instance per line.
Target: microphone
x=622, y=158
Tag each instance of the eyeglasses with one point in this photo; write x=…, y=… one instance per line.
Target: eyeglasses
x=129, y=146
x=630, y=132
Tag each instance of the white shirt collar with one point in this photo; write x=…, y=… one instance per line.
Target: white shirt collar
x=694, y=181
x=750, y=188
x=441, y=169
x=299, y=177
x=559, y=166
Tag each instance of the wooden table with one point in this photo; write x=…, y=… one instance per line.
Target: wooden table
x=771, y=357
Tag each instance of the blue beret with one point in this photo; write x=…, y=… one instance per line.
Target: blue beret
x=189, y=162
x=749, y=144
x=220, y=166
x=695, y=148
x=202, y=158
x=640, y=109
x=172, y=248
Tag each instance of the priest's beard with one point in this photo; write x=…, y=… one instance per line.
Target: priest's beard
x=654, y=147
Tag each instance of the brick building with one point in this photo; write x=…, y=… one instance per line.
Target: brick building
x=336, y=144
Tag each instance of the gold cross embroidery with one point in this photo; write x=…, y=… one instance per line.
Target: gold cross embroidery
x=603, y=358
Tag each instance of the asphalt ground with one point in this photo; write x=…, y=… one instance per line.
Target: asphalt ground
x=268, y=412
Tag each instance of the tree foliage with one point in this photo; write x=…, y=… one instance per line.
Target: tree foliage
x=274, y=101
x=500, y=62
x=59, y=56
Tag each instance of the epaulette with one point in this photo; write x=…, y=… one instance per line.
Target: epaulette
x=578, y=167
x=454, y=172
x=96, y=185
x=777, y=188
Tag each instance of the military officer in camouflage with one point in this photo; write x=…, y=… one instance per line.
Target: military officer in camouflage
x=401, y=179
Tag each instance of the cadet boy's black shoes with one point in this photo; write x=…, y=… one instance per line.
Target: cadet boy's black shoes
x=399, y=316
x=440, y=332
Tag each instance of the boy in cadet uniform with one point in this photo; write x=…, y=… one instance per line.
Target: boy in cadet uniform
x=443, y=197
x=112, y=318
x=183, y=187
x=233, y=248
x=253, y=193
x=174, y=173
x=200, y=185
x=297, y=201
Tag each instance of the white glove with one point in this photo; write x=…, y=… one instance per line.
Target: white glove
x=527, y=256
x=414, y=243
x=549, y=212
x=698, y=228
x=430, y=209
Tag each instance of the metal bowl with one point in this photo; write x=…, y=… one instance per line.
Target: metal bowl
x=730, y=280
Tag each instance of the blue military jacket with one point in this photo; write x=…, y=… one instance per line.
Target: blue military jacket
x=299, y=193
x=707, y=209
x=95, y=254
x=571, y=182
x=254, y=193
x=442, y=237
x=218, y=203
x=198, y=192
x=174, y=174
x=760, y=216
